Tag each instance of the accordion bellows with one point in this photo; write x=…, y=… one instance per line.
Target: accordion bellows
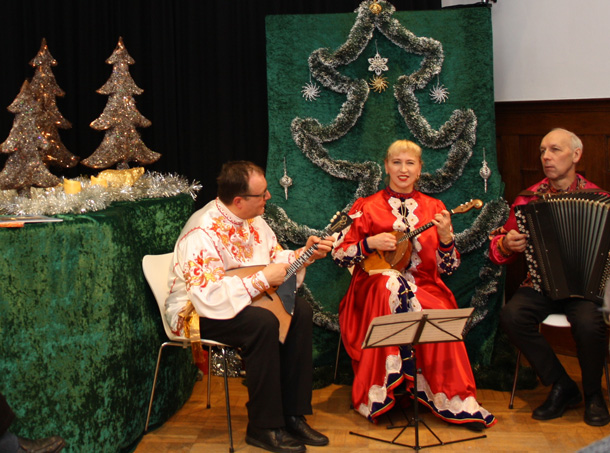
x=569, y=243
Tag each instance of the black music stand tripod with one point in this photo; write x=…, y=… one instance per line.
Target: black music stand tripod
x=413, y=328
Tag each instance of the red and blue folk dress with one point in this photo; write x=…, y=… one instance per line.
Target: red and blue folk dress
x=446, y=383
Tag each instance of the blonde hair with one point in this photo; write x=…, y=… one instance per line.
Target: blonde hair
x=400, y=146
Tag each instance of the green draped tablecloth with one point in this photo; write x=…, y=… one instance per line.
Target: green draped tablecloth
x=80, y=329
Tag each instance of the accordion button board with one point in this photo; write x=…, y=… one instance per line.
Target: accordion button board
x=568, y=246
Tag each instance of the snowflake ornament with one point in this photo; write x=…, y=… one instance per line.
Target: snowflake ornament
x=378, y=83
x=378, y=64
x=439, y=94
x=311, y=91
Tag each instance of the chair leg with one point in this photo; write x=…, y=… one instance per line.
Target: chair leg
x=607, y=377
x=226, y=379
x=337, y=359
x=209, y=374
x=512, y=393
x=152, y=393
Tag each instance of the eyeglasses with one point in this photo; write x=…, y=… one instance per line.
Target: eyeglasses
x=261, y=195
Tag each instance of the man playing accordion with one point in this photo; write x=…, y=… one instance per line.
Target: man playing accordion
x=560, y=151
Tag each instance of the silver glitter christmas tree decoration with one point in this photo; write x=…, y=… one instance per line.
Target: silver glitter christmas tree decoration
x=45, y=89
x=122, y=142
x=26, y=145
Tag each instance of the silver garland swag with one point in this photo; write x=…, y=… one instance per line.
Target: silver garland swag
x=53, y=200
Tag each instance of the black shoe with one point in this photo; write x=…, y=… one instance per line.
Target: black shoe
x=564, y=394
x=477, y=427
x=299, y=429
x=46, y=445
x=273, y=439
x=596, y=411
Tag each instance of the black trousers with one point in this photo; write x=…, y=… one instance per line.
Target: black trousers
x=520, y=319
x=6, y=415
x=279, y=376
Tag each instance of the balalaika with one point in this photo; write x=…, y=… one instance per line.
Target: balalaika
x=568, y=251
x=281, y=300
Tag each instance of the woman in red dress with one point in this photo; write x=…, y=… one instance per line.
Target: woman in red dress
x=446, y=383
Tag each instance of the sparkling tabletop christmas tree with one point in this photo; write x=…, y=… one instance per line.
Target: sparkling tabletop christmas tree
x=122, y=143
x=45, y=90
x=26, y=145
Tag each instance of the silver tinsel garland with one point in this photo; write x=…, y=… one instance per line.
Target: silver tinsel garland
x=53, y=200
x=235, y=364
x=321, y=318
x=458, y=133
x=494, y=213
x=489, y=276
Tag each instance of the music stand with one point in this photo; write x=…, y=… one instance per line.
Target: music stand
x=413, y=328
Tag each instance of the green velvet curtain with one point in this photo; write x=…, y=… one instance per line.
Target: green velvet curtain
x=81, y=330
x=467, y=75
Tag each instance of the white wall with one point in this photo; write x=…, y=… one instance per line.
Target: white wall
x=550, y=49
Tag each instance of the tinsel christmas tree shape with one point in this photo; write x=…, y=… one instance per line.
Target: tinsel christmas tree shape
x=458, y=133
x=45, y=90
x=122, y=142
x=341, y=137
x=456, y=137
x=25, y=167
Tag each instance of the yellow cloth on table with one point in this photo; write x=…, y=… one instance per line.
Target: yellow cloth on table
x=126, y=177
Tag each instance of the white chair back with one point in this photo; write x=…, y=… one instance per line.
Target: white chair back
x=156, y=270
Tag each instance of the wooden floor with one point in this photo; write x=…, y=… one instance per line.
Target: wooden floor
x=197, y=429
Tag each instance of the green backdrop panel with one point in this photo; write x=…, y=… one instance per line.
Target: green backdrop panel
x=464, y=69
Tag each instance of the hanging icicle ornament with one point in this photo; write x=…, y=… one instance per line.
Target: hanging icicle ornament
x=378, y=64
x=310, y=90
x=285, y=181
x=485, y=171
x=439, y=94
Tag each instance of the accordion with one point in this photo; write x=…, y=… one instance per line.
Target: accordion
x=569, y=243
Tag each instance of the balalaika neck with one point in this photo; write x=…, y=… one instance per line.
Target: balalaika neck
x=296, y=265
x=415, y=232
x=421, y=229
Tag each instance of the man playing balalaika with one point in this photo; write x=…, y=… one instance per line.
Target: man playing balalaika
x=230, y=233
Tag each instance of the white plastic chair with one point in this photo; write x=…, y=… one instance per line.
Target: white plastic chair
x=554, y=320
x=156, y=270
